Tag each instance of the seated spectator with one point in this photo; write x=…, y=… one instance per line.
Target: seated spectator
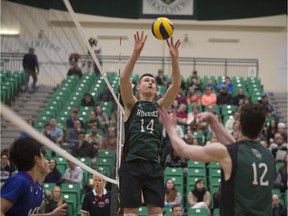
x=92, y=121
x=177, y=210
x=74, y=68
x=181, y=114
x=270, y=109
x=216, y=198
x=174, y=160
x=172, y=196
x=239, y=98
x=212, y=139
x=227, y=83
x=235, y=130
x=229, y=123
x=196, y=84
x=54, y=201
x=73, y=174
x=73, y=133
x=87, y=100
x=211, y=85
x=281, y=176
x=247, y=100
x=109, y=141
x=84, y=149
x=94, y=138
x=102, y=117
x=281, y=128
x=55, y=132
x=72, y=119
x=199, y=197
x=279, y=145
x=47, y=132
x=7, y=169
x=24, y=134
x=97, y=201
x=223, y=97
x=193, y=97
x=160, y=78
x=271, y=129
x=55, y=176
x=191, y=117
x=189, y=137
x=208, y=98
x=181, y=97
x=278, y=209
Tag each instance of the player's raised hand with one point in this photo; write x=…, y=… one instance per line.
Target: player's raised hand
x=139, y=41
x=173, y=47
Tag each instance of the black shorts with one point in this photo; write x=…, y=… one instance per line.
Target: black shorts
x=140, y=175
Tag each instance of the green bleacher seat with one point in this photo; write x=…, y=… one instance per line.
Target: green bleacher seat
x=49, y=186
x=216, y=212
x=195, y=164
x=197, y=212
x=72, y=189
x=71, y=199
x=143, y=211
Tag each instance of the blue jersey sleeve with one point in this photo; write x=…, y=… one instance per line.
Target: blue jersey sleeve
x=13, y=189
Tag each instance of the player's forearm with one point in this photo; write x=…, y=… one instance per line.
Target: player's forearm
x=223, y=135
x=128, y=69
x=176, y=78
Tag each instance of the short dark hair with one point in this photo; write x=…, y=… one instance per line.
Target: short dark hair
x=23, y=152
x=175, y=206
x=252, y=119
x=146, y=74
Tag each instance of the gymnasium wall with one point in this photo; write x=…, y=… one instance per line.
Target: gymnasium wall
x=258, y=38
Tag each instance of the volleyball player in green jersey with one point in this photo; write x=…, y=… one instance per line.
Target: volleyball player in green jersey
x=140, y=169
x=247, y=167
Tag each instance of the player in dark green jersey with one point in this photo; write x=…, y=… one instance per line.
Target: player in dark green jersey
x=140, y=169
x=247, y=167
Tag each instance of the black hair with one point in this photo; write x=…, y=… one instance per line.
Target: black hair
x=23, y=152
x=252, y=119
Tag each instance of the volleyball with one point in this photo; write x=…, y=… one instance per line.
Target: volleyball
x=162, y=28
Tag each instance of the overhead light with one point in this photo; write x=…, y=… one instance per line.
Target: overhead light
x=9, y=32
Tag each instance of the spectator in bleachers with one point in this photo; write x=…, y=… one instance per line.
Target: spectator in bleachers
x=84, y=149
x=94, y=138
x=199, y=197
x=227, y=83
x=55, y=176
x=281, y=128
x=102, y=117
x=210, y=108
x=74, y=132
x=47, y=132
x=72, y=119
x=280, y=181
x=238, y=99
x=31, y=68
x=277, y=207
x=7, y=169
x=208, y=98
x=173, y=160
x=224, y=97
x=73, y=174
x=271, y=130
x=181, y=114
x=74, y=70
x=177, y=210
x=160, y=78
x=235, y=130
x=189, y=137
x=247, y=100
x=212, y=139
x=211, y=85
x=56, y=133
x=54, y=201
x=193, y=97
x=191, y=116
x=181, y=97
x=216, y=198
x=97, y=201
x=174, y=106
x=92, y=121
x=24, y=134
x=270, y=109
x=172, y=195
x=279, y=145
x=87, y=100
x=229, y=123
x=195, y=82
x=109, y=141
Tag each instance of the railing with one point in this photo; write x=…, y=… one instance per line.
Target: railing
x=52, y=73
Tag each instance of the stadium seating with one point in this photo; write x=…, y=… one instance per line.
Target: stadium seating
x=197, y=212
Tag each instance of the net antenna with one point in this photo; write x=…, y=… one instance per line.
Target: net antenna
x=79, y=28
